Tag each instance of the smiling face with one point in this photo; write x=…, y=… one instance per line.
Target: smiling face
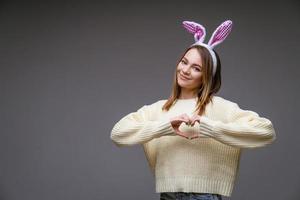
x=189, y=70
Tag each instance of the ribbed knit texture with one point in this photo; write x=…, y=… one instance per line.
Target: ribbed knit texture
x=208, y=164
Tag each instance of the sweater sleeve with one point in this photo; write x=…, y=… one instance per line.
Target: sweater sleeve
x=244, y=129
x=138, y=128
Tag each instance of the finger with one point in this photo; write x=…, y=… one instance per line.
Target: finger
x=187, y=119
x=195, y=119
x=178, y=120
x=195, y=136
x=182, y=135
x=192, y=119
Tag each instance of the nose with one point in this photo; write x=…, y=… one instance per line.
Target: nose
x=185, y=69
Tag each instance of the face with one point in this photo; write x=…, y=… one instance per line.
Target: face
x=189, y=70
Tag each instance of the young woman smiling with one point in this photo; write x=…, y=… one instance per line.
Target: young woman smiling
x=193, y=139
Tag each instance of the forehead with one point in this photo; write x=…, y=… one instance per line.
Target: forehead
x=193, y=55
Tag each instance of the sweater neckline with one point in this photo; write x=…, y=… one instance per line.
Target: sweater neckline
x=189, y=99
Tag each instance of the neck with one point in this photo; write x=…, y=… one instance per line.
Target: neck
x=187, y=94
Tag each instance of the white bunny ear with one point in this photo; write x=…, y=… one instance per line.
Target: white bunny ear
x=220, y=33
x=197, y=29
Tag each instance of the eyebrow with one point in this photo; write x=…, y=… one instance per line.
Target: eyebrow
x=193, y=63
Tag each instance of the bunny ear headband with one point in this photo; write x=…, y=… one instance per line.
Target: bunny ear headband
x=217, y=37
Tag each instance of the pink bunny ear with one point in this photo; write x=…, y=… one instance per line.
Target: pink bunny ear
x=220, y=33
x=197, y=29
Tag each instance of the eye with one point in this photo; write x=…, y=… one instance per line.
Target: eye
x=183, y=62
x=197, y=69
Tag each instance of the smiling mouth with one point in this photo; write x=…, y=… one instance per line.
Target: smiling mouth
x=184, y=78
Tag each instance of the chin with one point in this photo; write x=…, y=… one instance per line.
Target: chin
x=184, y=85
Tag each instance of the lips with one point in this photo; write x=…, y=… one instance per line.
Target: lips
x=183, y=77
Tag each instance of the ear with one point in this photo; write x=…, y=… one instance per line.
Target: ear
x=197, y=29
x=220, y=33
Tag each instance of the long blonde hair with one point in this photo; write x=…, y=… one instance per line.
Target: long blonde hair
x=207, y=88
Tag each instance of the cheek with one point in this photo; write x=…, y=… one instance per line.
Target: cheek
x=179, y=67
x=197, y=76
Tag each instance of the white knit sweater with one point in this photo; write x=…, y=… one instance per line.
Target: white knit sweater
x=208, y=164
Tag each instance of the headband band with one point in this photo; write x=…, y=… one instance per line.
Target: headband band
x=217, y=37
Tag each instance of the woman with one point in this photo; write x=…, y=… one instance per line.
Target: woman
x=193, y=140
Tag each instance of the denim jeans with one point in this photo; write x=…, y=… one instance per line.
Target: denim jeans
x=189, y=196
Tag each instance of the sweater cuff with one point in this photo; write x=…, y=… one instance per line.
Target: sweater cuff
x=164, y=127
x=206, y=127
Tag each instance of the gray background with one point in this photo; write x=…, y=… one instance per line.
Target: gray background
x=70, y=71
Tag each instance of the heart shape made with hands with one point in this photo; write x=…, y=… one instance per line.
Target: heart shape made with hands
x=183, y=127
x=189, y=130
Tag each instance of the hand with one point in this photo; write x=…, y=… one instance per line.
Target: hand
x=176, y=122
x=195, y=118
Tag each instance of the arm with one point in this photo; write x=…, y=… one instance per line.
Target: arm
x=245, y=129
x=136, y=128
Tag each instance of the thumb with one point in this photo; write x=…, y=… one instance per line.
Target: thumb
x=194, y=119
x=186, y=119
